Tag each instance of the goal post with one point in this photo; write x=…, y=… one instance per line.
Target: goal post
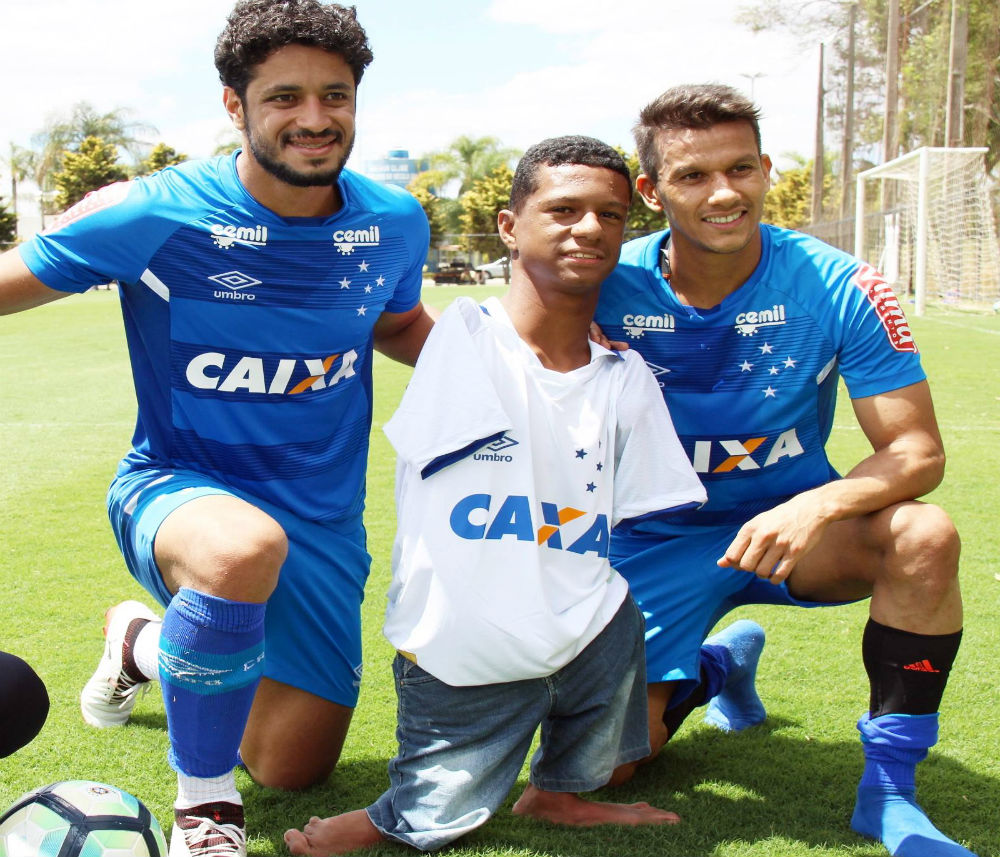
x=925, y=221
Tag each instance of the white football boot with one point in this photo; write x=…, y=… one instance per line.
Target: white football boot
x=108, y=698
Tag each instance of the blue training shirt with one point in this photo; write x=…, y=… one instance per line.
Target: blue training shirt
x=250, y=334
x=751, y=384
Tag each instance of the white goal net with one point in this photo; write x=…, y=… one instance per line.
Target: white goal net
x=925, y=221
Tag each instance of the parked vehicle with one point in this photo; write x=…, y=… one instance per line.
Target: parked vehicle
x=497, y=268
x=456, y=271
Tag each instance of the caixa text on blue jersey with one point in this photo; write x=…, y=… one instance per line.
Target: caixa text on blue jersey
x=273, y=377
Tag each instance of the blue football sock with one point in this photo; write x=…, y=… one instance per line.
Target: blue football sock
x=886, y=807
x=736, y=705
x=211, y=661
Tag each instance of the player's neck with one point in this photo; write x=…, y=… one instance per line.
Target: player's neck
x=704, y=279
x=284, y=199
x=555, y=326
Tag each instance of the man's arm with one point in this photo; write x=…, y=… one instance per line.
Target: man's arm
x=401, y=335
x=907, y=462
x=19, y=288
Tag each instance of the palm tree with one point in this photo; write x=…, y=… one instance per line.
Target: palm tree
x=66, y=133
x=21, y=163
x=469, y=159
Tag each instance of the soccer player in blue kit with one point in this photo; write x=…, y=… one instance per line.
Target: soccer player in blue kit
x=253, y=289
x=748, y=328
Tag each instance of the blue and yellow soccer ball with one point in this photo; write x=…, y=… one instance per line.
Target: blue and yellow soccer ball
x=78, y=818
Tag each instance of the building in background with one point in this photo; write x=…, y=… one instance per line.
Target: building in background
x=397, y=168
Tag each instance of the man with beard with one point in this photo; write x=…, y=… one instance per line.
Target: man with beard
x=253, y=288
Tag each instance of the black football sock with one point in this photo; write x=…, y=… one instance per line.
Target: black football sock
x=907, y=671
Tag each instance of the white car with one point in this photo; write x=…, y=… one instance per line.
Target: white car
x=497, y=268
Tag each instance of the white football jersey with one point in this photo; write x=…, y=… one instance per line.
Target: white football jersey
x=510, y=477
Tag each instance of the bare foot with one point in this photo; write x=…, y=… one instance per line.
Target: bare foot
x=339, y=834
x=571, y=809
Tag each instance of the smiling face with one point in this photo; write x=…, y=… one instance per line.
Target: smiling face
x=297, y=116
x=711, y=187
x=567, y=234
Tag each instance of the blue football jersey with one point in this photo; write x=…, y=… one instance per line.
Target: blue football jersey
x=250, y=334
x=751, y=384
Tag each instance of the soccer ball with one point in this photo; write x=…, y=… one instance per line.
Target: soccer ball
x=78, y=818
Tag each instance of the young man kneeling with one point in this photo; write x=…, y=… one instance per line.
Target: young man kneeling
x=520, y=444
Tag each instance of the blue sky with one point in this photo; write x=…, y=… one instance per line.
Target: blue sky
x=519, y=70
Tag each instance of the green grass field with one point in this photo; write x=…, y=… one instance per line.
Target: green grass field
x=783, y=789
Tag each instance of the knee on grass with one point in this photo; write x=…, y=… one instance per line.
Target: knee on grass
x=279, y=772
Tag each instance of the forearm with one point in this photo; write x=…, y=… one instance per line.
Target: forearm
x=19, y=288
x=901, y=471
x=907, y=462
x=404, y=343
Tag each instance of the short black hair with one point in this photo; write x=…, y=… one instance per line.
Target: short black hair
x=700, y=106
x=571, y=149
x=257, y=28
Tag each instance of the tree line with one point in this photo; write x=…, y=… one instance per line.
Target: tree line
x=938, y=46
x=79, y=152
x=467, y=184
x=84, y=150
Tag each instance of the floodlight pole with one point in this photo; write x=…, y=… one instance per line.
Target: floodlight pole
x=847, y=144
x=958, y=49
x=859, y=215
x=891, y=84
x=752, y=78
x=818, y=164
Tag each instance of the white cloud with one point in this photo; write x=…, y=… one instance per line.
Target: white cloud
x=604, y=63
x=610, y=66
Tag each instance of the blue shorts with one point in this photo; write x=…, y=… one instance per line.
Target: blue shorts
x=682, y=593
x=461, y=748
x=312, y=629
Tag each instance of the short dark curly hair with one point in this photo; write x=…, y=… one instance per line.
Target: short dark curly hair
x=257, y=28
x=555, y=151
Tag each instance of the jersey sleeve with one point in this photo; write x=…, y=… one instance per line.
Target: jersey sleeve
x=417, y=232
x=450, y=408
x=109, y=235
x=653, y=476
x=876, y=350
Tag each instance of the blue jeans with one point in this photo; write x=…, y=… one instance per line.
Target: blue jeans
x=462, y=748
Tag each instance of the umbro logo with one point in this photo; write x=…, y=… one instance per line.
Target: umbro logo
x=235, y=281
x=658, y=372
x=495, y=451
x=504, y=443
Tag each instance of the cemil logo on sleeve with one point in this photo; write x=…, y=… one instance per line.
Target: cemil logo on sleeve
x=881, y=296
